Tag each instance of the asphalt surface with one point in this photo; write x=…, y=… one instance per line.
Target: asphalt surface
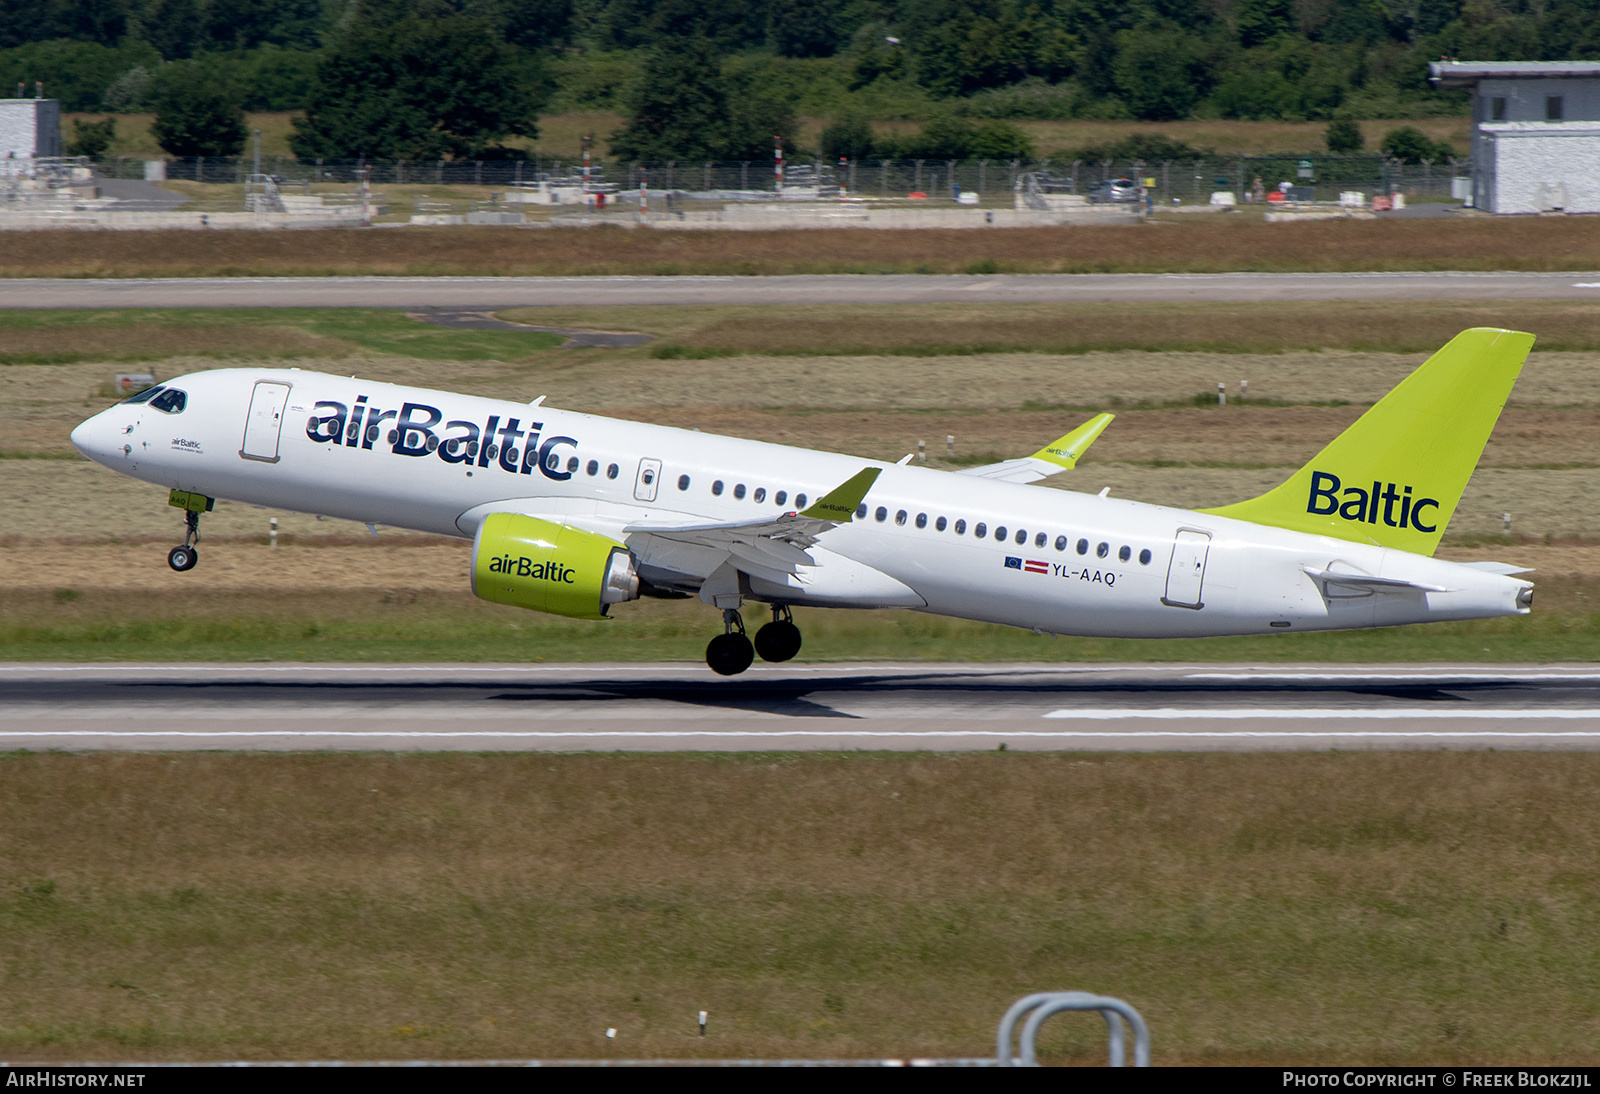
x=674, y=707
x=505, y=292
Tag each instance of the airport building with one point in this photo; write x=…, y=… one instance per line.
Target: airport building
x=1535, y=133
x=29, y=129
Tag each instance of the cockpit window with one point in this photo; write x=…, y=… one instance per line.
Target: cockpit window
x=171, y=401
x=146, y=395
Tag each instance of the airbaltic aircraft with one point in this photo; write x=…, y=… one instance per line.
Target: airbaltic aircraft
x=571, y=513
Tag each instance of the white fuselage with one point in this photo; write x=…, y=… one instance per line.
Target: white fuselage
x=1070, y=563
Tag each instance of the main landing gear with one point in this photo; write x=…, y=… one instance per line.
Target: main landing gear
x=184, y=557
x=731, y=652
x=780, y=639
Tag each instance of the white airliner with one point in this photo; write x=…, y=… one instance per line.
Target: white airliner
x=571, y=513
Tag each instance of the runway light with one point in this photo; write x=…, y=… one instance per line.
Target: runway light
x=611, y=1033
x=702, y=1023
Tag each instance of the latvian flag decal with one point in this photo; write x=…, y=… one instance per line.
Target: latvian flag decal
x=1036, y=566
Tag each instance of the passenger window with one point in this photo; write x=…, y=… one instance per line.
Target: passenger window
x=170, y=401
x=683, y=482
x=881, y=515
x=716, y=489
x=1022, y=537
x=861, y=512
x=1102, y=551
x=572, y=464
x=611, y=473
x=961, y=528
x=593, y=468
x=938, y=525
x=760, y=494
x=1083, y=546
x=1144, y=557
x=1126, y=553
x=1000, y=533
x=900, y=518
x=738, y=491
x=145, y=396
x=1039, y=540
x=979, y=529
x=922, y=520
x=1061, y=543
x=780, y=497
x=799, y=501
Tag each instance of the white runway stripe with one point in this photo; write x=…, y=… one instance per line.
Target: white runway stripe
x=1315, y=714
x=1436, y=678
x=796, y=734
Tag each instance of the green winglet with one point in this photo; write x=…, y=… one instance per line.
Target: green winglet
x=839, y=504
x=1066, y=452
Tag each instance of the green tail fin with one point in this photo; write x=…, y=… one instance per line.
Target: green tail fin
x=1395, y=476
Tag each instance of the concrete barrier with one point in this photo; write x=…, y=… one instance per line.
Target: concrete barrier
x=826, y=215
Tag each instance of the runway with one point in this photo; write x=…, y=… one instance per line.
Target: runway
x=504, y=292
x=677, y=707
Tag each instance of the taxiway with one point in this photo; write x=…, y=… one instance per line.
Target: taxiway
x=506, y=292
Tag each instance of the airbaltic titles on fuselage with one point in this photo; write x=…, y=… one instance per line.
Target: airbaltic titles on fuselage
x=414, y=430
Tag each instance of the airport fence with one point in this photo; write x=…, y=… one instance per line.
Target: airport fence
x=1184, y=181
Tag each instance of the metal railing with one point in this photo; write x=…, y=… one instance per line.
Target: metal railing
x=1184, y=181
x=1043, y=1005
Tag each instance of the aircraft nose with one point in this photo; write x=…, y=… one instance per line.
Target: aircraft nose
x=89, y=437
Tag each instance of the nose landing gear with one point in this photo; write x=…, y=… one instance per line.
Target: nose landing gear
x=780, y=639
x=184, y=557
x=730, y=653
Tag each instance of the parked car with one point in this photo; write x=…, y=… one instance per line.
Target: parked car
x=1114, y=191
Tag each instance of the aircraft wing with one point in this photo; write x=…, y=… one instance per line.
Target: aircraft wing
x=1057, y=456
x=773, y=545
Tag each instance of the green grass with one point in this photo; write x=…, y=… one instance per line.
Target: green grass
x=65, y=336
x=1377, y=908
x=91, y=624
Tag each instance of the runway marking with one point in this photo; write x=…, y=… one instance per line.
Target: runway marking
x=1323, y=713
x=807, y=734
x=1424, y=676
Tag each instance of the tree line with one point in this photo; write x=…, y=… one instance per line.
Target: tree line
x=716, y=79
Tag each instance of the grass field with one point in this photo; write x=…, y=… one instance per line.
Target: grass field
x=60, y=337
x=1198, y=245
x=1402, y=908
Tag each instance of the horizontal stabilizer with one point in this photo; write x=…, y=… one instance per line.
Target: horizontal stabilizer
x=1324, y=578
x=1505, y=569
x=1059, y=455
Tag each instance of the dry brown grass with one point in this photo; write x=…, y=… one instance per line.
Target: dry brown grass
x=1276, y=327
x=1257, y=909
x=1208, y=245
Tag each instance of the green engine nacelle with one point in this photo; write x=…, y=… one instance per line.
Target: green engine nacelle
x=532, y=563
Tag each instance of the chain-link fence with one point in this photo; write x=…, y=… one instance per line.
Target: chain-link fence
x=1189, y=181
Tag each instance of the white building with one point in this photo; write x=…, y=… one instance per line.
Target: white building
x=1535, y=133
x=29, y=129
